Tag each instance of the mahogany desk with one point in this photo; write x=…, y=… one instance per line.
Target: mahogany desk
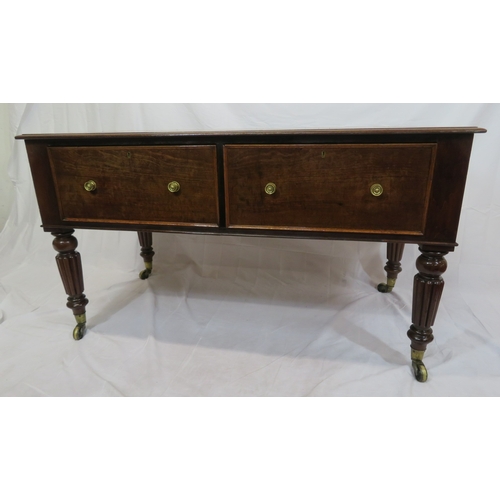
x=386, y=185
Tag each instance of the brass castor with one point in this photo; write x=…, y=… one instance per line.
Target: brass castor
x=81, y=327
x=144, y=274
x=419, y=368
x=387, y=287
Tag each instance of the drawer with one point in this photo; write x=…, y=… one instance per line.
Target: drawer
x=339, y=188
x=131, y=184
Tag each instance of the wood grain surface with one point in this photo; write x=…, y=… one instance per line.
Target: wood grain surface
x=132, y=184
x=327, y=187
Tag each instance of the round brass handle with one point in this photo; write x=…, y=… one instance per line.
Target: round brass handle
x=90, y=186
x=376, y=190
x=174, y=186
x=270, y=188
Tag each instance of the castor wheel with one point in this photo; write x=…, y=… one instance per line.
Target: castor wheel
x=384, y=288
x=144, y=274
x=81, y=326
x=419, y=370
x=79, y=331
x=418, y=366
x=387, y=287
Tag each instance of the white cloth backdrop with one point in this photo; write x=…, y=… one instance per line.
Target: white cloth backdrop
x=231, y=316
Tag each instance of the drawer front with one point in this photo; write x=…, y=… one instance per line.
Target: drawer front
x=131, y=184
x=341, y=188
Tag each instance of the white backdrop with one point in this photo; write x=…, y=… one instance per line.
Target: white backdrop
x=230, y=316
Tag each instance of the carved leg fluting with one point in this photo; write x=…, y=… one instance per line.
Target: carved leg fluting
x=427, y=290
x=146, y=242
x=393, y=267
x=69, y=264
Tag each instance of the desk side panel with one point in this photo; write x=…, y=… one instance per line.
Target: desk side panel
x=448, y=187
x=44, y=184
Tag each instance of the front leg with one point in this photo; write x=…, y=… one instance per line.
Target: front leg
x=69, y=264
x=427, y=290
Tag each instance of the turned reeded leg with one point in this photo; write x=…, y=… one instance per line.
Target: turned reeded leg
x=393, y=266
x=69, y=264
x=146, y=242
x=427, y=290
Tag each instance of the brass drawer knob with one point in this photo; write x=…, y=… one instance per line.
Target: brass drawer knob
x=174, y=187
x=90, y=186
x=270, y=188
x=376, y=190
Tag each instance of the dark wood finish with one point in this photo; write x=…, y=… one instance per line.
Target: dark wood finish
x=394, y=256
x=323, y=180
x=448, y=179
x=69, y=264
x=109, y=136
x=146, y=242
x=428, y=287
x=328, y=187
x=132, y=184
x=393, y=266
